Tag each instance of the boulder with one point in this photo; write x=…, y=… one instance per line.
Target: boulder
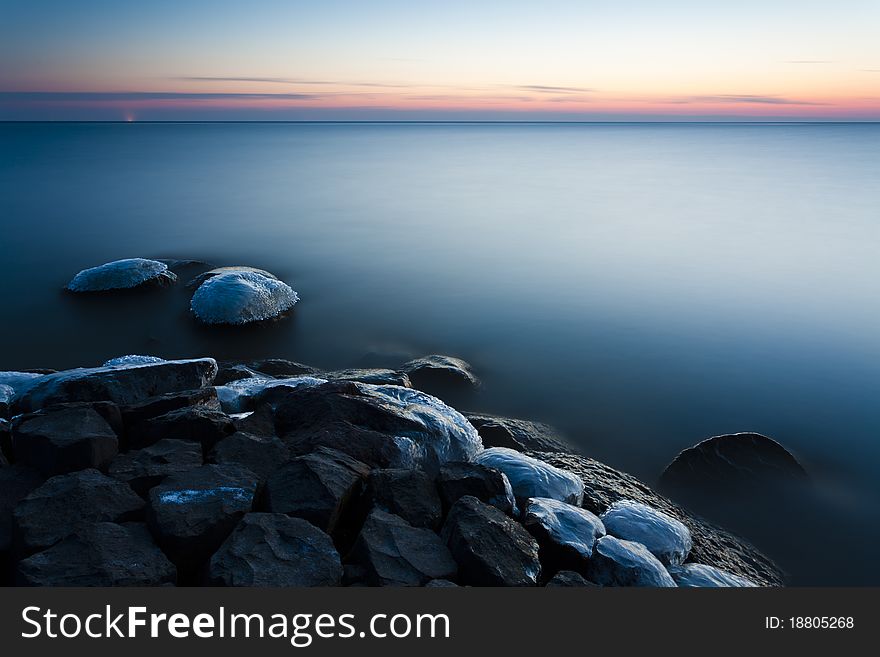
x=262, y=455
x=374, y=376
x=395, y=553
x=248, y=394
x=664, y=536
x=67, y=502
x=321, y=487
x=530, y=477
x=122, y=275
x=565, y=533
x=18, y=383
x=521, y=435
x=196, y=423
x=410, y=494
x=16, y=483
x=489, y=547
x=57, y=441
x=692, y=575
x=145, y=468
x=7, y=395
x=486, y=484
x=280, y=367
x=123, y=385
x=437, y=373
x=192, y=513
x=383, y=426
x=725, y=463
x=272, y=549
x=102, y=554
x=616, y=562
x=566, y=578
x=135, y=414
x=5, y=441
x=241, y=297
x=711, y=544
x=260, y=422
x=234, y=372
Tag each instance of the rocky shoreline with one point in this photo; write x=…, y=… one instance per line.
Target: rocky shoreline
x=151, y=472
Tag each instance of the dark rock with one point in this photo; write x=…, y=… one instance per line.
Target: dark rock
x=198, y=424
x=440, y=373
x=260, y=422
x=67, y=502
x=5, y=442
x=724, y=463
x=486, y=484
x=383, y=426
x=565, y=533
x=565, y=578
x=7, y=395
x=354, y=574
x=320, y=487
x=145, y=468
x=441, y=584
x=531, y=477
x=192, y=513
x=375, y=376
x=16, y=483
x=57, y=441
x=521, y=435
x=102, y=554
x=280, y=367
x=490, y=548
x=616, y=562
x=121, y=385
x=134, y=414
x=711, y=544
x=397, y=554
x=410, y=494
x=665, y=537
x=262, y=455
x=234, y=372
x=272, y=549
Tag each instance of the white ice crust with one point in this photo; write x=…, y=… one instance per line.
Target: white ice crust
x=119, y=275
x=691, y=575
x=530, y=477
x=566, y=524
x=667, y=538
x=132, y=359
x=236, y=395
x=240, y=297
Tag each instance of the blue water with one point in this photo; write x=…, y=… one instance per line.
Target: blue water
x=640, y=286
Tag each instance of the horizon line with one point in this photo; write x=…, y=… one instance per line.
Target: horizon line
x=460, y=121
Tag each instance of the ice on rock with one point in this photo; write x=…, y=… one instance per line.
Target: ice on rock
x=667, y=538
x=616, y=562
x=530, y=477
x=563, y=525
x=121, y=275
x=240, y=297
x=19, y=382
x=132, y=360
x=235, y=396
x=691, y=575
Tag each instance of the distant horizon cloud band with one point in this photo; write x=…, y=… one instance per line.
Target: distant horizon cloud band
x=393, y=60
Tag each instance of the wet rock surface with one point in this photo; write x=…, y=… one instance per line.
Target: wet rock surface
x=616, y=562
x=664, y=536
x=272, y=549
x=490, y=548
x=566, y=533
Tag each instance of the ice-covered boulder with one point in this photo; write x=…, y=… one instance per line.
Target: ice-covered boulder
x=241, y=296
x=15, y=384
x=132, y=359
x=122, y=275
x=667, y=538
x=565, y=533
x=530, y=477
x=616, y=562
x=699, y=575
x=241, y=395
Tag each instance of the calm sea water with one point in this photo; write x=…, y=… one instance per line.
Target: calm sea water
x=642, y=287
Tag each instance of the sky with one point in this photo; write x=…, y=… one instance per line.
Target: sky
x=387, y=60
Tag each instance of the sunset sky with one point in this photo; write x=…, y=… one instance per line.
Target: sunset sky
x=450, y=60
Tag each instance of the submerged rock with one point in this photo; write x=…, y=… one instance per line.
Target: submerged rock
x=666, y=538
x=489, y=547
x=395, y=553
x=616, y=562
x=145, y=468
x=486, y=484
x=699, y=575
x=68, y=502
x=724, y=462
x=122, y=275
x=410, y=494
x=192, y=513
x=241, y=296
x=271, y=549
x=711, y=544
x=383, y=426
x=521, y=435
x=103, y=554
x=530, y=477
x=565, y=533
x=57, y=441
x=320, y=487
x=121, y=384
